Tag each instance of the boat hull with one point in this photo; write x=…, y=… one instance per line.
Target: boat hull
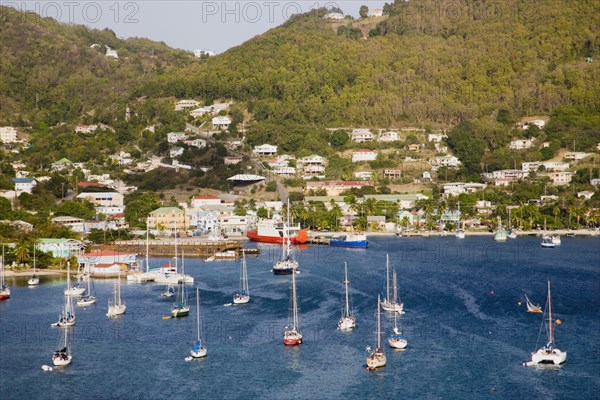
x=61, y=361
x=115, y=311
x=74, y=291
x=346, y=324
x=255, y=237
x=180, y=312
x=240, y=299
x=393, y=307
x=547, y=356
x=86, y=301
x=398, y=343
x=362, y=244
x=198, y=354
x=292, y=339
x=376, y=360
x=33, y=281
x=4, y=296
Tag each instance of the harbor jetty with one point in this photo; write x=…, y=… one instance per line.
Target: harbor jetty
x=192, y=247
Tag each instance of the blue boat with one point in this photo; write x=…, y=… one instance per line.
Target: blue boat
x=350, y=240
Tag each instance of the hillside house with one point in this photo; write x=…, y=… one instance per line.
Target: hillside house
x=175, y=152
x=221, y=122
x=103, y=199
x=24, y=185
x=334, y=188
x=185, y=104
x=174, y=137
x=361, y=136
x=436, y=137
x=521, y=144
x=265, y=150
x=558, y=178
x=364, y=155
x=8, y=134
x=446, y=161
x=86, y=128
x=390, y=136
x=201, y=201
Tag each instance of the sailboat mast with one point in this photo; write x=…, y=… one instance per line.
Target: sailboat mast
x=198, y=311
x=347, y=314
x=294, y=303
x=395, y=283
x=34, y=258
x=67, y=305
x=147, y=241
x=378, y=323
x=551, y=326
x=387, y=278
x=176, y=270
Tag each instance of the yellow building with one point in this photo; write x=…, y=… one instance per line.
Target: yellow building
x=168, y=219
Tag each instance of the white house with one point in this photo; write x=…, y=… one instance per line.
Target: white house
x=24, y=185
x=174, y=137
x=8, y=134
x=221, y=122
x=207, y=53
x=548, y=166
x=285, y=171
x=376, y=12
x=390, y=136
x=184, y=104
x=392, y=173
x=204, y=222
x=198, y=143
x=110, y=210
x=63, y=248
x=576, y=156
x=364, y=175
x=85, y=128
x=334, y=16
x=520, y=144
x=75, y=224
x=199, y=201
x=558, y=178
x=111, y=53
x=232, y=160
x=446, y=161
x=265, y=150
x=364, y=155
x=175, y=152
x=456, y=188
x=585, y=194
x=103, y=199
x=540, y=123
x=511, y=174
x=312, y=160
x=235, y=224
x=361, y=135
x=436, y=137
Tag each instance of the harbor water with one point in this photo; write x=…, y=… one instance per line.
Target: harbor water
x=465, y=319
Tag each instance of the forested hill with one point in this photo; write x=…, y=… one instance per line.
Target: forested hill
x=49, y=73
x=429, y=61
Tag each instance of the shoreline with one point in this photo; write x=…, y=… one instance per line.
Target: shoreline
x=561, y=232
x=40, y=272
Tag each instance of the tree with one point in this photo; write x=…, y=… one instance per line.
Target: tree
x=339, y=138
x=21, y=253
x=363, y=11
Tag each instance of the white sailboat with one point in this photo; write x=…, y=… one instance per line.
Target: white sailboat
x=548, y=354
x=397, y=339
x=460, y=233
x=67, y=315
x=391, y=302
x=34, y=280
x=347, y=320
x=244, y=295
x=76, y=289
x=63, y=356
x=376, y=359
x=287, y=265
x=147, y=275
x=292, y=335
x=198, y=350
x=181, y=308
x=116, y=307
x=530, y=307
x=4, y=289
x=88, y=299
x=501, y=235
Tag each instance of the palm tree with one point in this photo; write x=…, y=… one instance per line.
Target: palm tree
x=556, y=213
x=21, y=253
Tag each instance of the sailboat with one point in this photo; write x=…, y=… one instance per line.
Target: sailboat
x=198, y=350
x=376, y=359
x=169, y=292
x=244, y=295
x=548, y=354
x=181, y=308
x=67, y=315
x=287, y=265
x=34, y=280
x=391, y=301
x=397, y=340
x=347, y=320
x=530, y=307
x=88, y=299
x=63, y=356
x=460, y=233
x=292, y=335
x=147, y=275
x=116, y=307
x=4, y=290
x=75, y=289
x=547, y=241
x=500, y=235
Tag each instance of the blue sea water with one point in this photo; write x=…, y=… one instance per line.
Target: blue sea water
x=467, y=333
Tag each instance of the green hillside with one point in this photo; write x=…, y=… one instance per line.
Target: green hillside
x=430, y=61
